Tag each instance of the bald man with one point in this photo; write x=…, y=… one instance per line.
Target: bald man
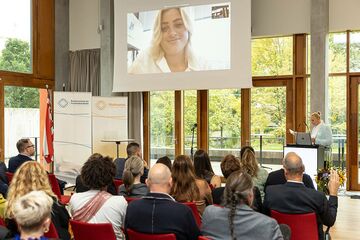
x=294, y=197
x=158, y=212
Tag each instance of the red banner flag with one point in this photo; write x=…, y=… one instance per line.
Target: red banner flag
x=48, y=145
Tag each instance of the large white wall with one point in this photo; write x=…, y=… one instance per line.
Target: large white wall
x=269, y=18
x=84, y=18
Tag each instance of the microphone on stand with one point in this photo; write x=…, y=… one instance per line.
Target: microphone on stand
x=194, y=126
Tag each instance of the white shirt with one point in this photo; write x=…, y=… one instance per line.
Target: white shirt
x=315, y=129
x=113, y=211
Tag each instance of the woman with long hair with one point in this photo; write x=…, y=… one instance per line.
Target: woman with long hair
x=203, y=169
x=250, y=165
x=235, y=219
x=31, y=176
x=133, y=170
x=186, y=188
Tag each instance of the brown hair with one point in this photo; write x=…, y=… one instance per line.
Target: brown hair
x=248, y=161
x=316, y=115
x=30, y=176
x=98, y=171
x=22, y=144
x=134, y=166
x=184, y=187
x=229, y=164
x=237, y=189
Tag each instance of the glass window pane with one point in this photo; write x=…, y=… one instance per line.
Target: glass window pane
x=224, y=123
x=272, y=56
x=162, y=129
x=337, y=52
x=15, y=35
x=337, y=118
x=308, y=54
x=355, y=52
x=22, y=117
x=190, y=118
x=268, y=123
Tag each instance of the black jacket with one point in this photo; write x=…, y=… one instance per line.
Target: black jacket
x=15, y=162
x=278, y=177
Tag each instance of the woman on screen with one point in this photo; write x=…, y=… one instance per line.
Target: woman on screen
x=170, y=49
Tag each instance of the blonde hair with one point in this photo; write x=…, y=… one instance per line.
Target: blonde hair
x=31, y=210
x=249, y=164
x=30, y=176
x=155, y=50
x=316, y=115
x=134, y=167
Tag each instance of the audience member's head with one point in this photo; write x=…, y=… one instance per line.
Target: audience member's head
x=293, y=166
x=229, y=164
x=133, y=149
x=159, y=179
x=98, y=172
x=166, y=161
x=30, y=176
x=134, y=168
x=238, y=190
x=202, y=164
x=184, y=186
x=32, y=213
x=26, y=147
x=248, y=161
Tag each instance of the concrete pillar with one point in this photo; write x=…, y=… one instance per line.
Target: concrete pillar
x=62, y=63
x=106, y=29
x=319, y=57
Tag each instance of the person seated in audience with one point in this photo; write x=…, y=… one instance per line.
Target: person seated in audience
x=186, y=188
x=235, y=219
x=228, y=165
x=32, y=213
x=80, y=187
x=132, y=149
x=26, y=150
x=250, y=165
x=294, y=197
x=166, y=161
x=132, y=187
x=97, y=205
x=31, y=176
x=203, y=169
x=278, y=177
x=158, y=212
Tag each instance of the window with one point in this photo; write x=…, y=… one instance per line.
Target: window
x=272, y=56
x=337, y=52
x=355, y=52
x=22, y=117
x=162, y=120
x=224, y=122
x=15, y=35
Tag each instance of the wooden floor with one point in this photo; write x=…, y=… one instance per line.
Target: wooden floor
x=347, y=225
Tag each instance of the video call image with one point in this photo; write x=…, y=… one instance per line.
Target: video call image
x=179, y=39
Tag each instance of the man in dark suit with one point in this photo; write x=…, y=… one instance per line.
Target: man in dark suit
x=294, y=197
x=158, y=212
x=278, y=177
x=26, y=150
x=132, y=149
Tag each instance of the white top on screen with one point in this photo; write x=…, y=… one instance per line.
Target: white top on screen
x=171, y=45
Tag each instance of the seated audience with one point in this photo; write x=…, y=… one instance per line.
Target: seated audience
x=4, y=185
x=32, y=213
x=250, y=165
x=31, y=176
x=186, y=188
x=132, y=149
x=158, y=212
x=26, y=150
x=97, y=205
x=294, y=197
x=228, y=165
x=235, y=219
x=278, y=177
x=80, y=187
x=132, y=187
x=203, y=169
x=166, y=161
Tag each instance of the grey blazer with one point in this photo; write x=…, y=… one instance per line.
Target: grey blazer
x=248, y=224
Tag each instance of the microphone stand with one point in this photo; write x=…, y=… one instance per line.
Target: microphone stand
x=192, y=143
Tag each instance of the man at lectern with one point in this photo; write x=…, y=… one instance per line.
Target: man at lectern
x=320, y=133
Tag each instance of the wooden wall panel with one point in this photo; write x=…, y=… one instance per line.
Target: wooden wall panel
x=245, y=117
x=203, y=120
x=146, y=127
x=179, y=123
